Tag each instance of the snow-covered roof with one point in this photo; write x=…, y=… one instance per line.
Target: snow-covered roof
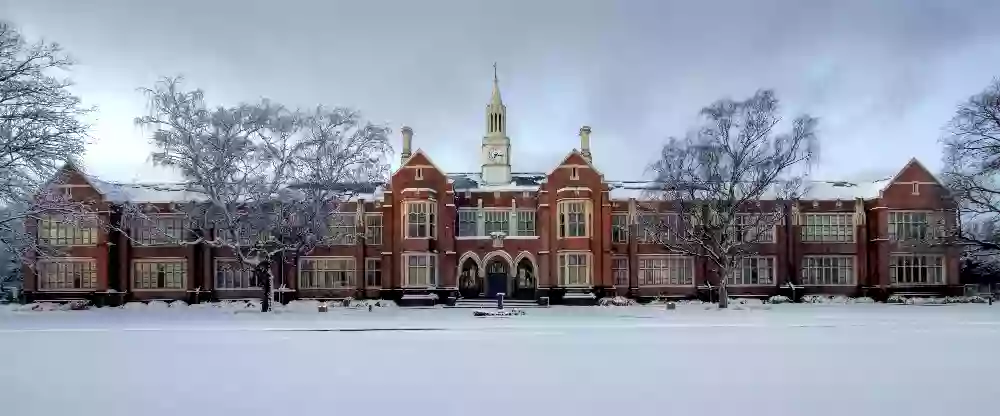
x=473, y=182
x=179, y=192
x=814, y=190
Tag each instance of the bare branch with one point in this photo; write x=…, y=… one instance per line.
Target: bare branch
x=718, y=192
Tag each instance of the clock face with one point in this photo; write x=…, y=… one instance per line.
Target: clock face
x=495, y=154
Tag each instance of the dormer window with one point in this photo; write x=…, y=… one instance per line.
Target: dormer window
x=420, y=174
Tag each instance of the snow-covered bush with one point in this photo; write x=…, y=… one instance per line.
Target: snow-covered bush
x=863, y=300
x=178, y=304
x=826, y=299
x=134, y=306
x=778, y=299
x=377, y=303
x=745, y=301
x=616, y=301
x=498, y=312
x=157, y=305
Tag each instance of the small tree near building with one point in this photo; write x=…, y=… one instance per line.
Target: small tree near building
x=718, y=191
x=268, y=179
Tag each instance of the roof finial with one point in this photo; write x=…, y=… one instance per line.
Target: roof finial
x=494, y=71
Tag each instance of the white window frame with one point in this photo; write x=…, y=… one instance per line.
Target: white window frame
x=566, y=208
x=619, y=270
x=743, y=274
x=740, y=223
x=161, y=229
x=136, y=279
x=666, y=271
x=55, y=233
x=904, y=225
x=897, y=270
x=523, y=217
x=619, y=227
x=431, y=264
x=493, y=216
x=828, y=270
x=828, y=227
x=62, y=277
x=237, y=273
x=651, y=234
x=416, y=209
x=587, y=267
x=373, y=269
x=318, y=280
x=343, y=228
x=374, y=229
x=462, y=222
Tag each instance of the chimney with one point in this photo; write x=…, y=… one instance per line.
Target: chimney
x=407, y=143
x=585, y=142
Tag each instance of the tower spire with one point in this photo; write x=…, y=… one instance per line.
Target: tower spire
x=496, y=104
x=496, y=144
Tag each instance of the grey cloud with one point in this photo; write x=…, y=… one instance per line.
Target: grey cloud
x=883, y=76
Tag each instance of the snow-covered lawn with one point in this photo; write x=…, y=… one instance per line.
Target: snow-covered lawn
x=782, y=360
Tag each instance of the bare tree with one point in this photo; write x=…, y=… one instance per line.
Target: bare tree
x=718, y=191
x=972, y=170
x=40, y=129
x=269, y=178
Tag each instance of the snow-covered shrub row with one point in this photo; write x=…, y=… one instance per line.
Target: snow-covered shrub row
x=746, y=301
x=616, y=301
x=935, y=301
x=498, y=312
x=835, y=299
x=778, y=299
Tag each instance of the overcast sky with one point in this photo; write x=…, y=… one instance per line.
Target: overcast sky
x=883, y=76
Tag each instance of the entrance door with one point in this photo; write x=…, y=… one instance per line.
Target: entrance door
x=496, y=278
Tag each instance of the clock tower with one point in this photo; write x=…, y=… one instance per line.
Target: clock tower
x=496, y=144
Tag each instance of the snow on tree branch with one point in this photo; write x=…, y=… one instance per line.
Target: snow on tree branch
x=272, y=182
x=40, y=130
x=718, y=191
x=972, y=168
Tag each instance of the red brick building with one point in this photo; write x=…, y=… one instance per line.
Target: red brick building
x=524, y=234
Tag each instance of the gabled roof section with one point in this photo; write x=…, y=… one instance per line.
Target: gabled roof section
x=575, y=158
x=418, y=158
x=916, y=167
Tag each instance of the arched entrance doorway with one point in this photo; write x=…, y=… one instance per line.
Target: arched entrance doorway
x=525, y=281
x=470, y=283
x=497, y=274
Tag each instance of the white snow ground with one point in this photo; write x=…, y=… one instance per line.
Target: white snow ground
x=786, y=360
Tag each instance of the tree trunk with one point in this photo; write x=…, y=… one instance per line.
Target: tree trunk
x=723, y=291
x=263, y=274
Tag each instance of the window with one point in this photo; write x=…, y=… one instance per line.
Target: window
x=619, y=228
x=342, y=228
x=420, y=219
x=574, y=173
x=655, y=228
x=827, y=270
x=753, y=271
x=421, y=270
x=916, y=189
x=666, y=271
x=67, y=274
x=233, y=274
x=373, y=272
x=753, y=228
x=619, y=270
x=914, y=269
x=160, y=229
x=574, y=269
x=56, y=231
x=159, y=274
x=468, y=223
x=525, y=223
x=828, y=228
x=326, y=272
x=496, y=221
x=420, y=174
x=573, y=219
x=373, y=229
x=910, y=225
